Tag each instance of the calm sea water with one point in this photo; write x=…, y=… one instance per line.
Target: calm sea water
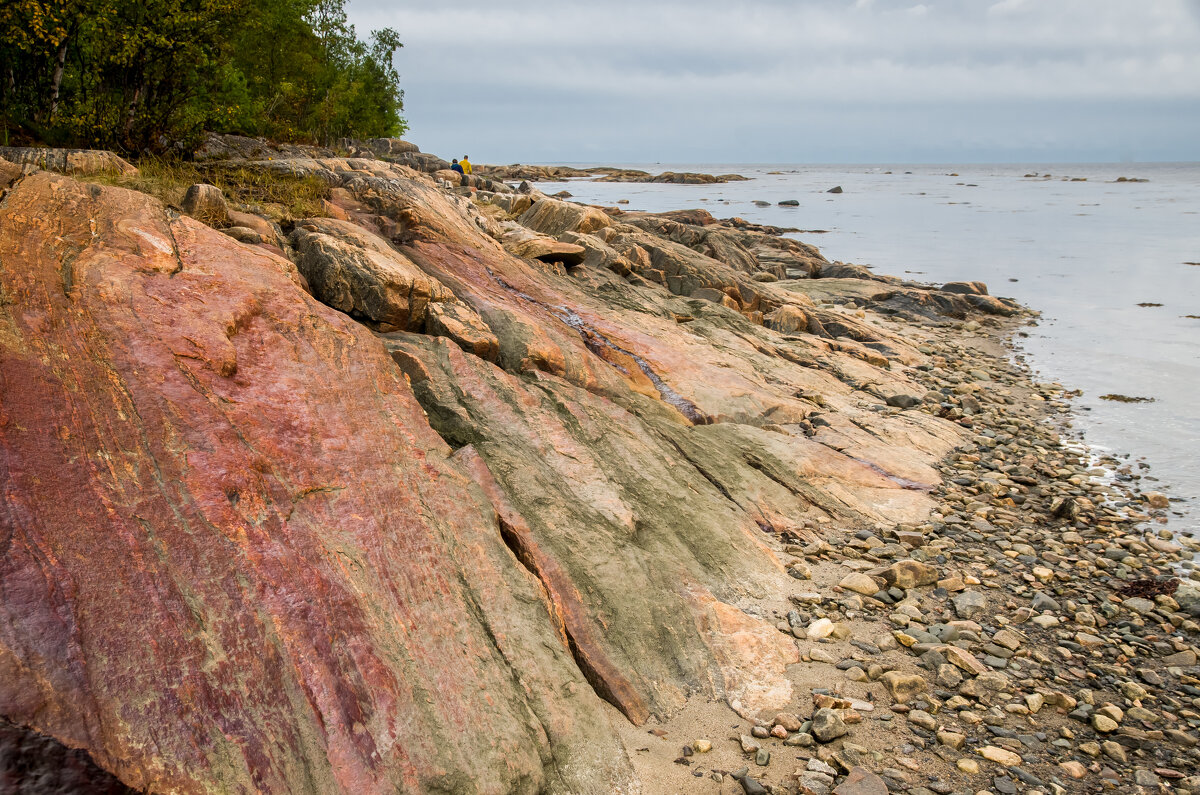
x=1084, y=253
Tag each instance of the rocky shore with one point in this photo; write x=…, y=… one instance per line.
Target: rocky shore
x=457, y=487
x=519, y=171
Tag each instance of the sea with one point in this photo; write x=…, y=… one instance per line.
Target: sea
x=1109, y=254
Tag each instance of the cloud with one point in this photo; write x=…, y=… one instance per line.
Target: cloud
x=749, y=80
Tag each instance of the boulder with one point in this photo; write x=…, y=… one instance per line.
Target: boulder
x=546, y=249
x=244, y=234
x=421, y=161
x=861, y=781
x=969, y=604
x=553, y=217
x=392, y=146
x=903, y=401
x=358, y=273
x=965, y=288
x=789, y=319
x=903, y=687
x=460, y=324
x=268, y=231
x=206, y=203
x=859, y=583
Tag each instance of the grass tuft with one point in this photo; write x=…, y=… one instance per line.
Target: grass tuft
x=280, y=197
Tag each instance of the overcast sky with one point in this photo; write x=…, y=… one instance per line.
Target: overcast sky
x=785, y=81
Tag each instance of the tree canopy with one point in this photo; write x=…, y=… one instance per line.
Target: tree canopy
x=149, y=75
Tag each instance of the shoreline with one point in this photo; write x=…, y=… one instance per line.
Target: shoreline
x=1098, y=333
x=944, y=738
x=667, y=494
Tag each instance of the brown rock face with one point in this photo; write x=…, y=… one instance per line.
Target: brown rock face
x=235, y=556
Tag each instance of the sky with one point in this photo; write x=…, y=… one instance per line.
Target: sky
x=798, y=81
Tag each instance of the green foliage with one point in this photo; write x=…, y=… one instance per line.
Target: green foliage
x=150, y=75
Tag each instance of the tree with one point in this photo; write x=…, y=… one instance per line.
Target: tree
x=139, y=75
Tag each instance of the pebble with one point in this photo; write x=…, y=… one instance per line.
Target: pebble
x=923, y=719
x=909, y=574
x=827, y=725
x=904, y=687
x=859, y=583
x=821, y=628
x=1000, y=756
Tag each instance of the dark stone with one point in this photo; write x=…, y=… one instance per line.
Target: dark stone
x=32, y=763
x=903, y=401
x=750, y=786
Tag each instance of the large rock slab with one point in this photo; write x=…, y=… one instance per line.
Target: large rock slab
x=647, y=580
x=359, y=273
x=236, y=557
x=553, y=217
x=78, y=162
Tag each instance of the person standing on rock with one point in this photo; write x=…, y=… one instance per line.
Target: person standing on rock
x=456, y=166
x=466, y=165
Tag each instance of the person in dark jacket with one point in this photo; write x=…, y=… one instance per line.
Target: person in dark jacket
x=455, y=166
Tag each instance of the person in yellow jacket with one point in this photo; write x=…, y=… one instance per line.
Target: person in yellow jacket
x=466, y=165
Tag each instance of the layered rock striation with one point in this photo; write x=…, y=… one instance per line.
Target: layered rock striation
x=403, y=509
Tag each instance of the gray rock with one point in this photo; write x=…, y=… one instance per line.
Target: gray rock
x=969, y=604
x=903, y=401
x=750, y=786
x=1043, y=602
x=1138, y=605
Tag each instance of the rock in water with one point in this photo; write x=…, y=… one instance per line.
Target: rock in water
x=235, y=557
